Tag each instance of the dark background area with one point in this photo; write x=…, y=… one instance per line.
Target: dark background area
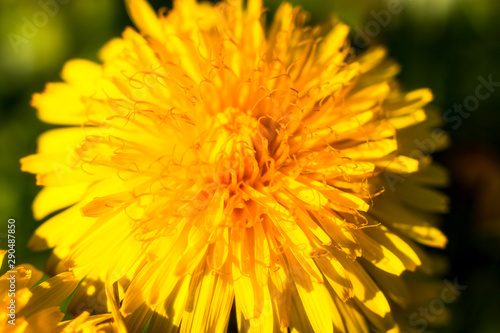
x=445, y=45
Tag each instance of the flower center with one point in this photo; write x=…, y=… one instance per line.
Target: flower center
x=233, y=151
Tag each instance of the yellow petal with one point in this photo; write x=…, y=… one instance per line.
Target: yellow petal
x=333, y=42
x=409, y=103
x=136, y=322
x=282, y=218
x=422, y=198
x=379, y=255
x=408, y=120
x=316, y=299
x=51, y=199
x=354, y=320
x=371, y=150
x=365, y=289
x=82, y=73
x=412, y=223
x=395, y=244
x=50, y=293
x=145, y=18
x=60, y=103
x=431, y=175
x=336, y=277
x=45, y=320
x=305, y=193
x=115, y=304
x=401, y=165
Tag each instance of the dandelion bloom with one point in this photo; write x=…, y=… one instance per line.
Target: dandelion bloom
x=211, y=161
x=24, y=308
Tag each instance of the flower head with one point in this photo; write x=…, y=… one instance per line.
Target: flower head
x=211, y=160
x=29, y=308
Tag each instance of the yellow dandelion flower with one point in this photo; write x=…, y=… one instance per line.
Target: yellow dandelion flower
x=24, y=308
x=27, y=308
x=212, y=161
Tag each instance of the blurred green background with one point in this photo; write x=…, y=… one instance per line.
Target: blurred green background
x=442, y=44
